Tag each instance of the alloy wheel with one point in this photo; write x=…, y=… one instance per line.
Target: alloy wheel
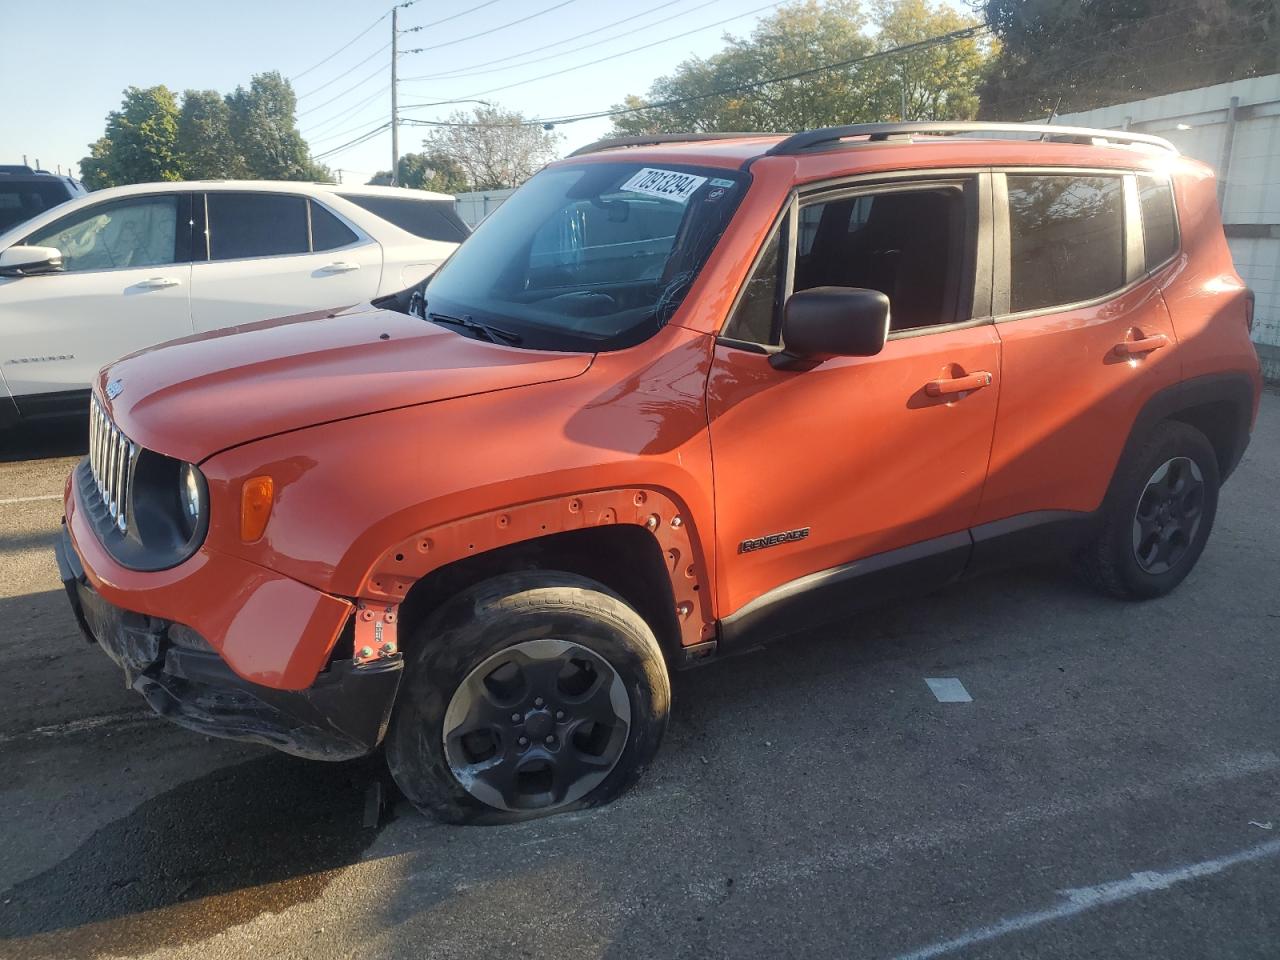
x=1168, y=515
x=537, y=725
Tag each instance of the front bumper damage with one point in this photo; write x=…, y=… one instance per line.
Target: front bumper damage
x=343, y=715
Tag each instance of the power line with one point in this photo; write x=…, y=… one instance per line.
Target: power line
x=348, y=112
x=485, y=33
x=355, y=142
x=341, y=48
x=342, y=76
x=452, y=16
x=473, y=70
x=945, y=38
x=623, y=53
x=355, y=86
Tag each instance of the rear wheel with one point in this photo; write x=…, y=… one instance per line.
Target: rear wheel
x=1158, y=515
x=528, y=694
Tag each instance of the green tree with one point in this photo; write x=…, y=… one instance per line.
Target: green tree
x=140, y=142
x=204, y=137
x=493, y=148
x=1090, y=53
x=437, y=172
x=264, y=127
x=938, y=81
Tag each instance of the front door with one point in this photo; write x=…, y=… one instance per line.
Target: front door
x=125, y=286
x=864, y=464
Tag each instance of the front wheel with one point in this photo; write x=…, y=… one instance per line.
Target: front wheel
x=1158, y=515
x=526, y=695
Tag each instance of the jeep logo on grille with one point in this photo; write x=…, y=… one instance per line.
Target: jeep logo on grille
x=773, y=539
x=114, y=389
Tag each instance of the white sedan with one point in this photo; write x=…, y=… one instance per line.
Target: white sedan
x=121, y=269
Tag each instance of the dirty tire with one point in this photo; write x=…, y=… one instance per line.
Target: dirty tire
x=1110, y=563
x=497, y=615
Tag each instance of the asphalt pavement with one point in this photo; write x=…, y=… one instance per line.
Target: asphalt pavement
x=1111, y=790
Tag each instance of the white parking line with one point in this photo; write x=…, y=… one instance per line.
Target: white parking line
x=47, y=496
x=1088, y=898
x=948, y=690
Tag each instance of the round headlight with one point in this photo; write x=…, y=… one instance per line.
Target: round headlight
x=190, y=497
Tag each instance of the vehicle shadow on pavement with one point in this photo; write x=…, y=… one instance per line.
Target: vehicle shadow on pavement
x=214, y=852
x=66, y=437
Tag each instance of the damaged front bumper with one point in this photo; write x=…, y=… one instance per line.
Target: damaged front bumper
x=343, y=715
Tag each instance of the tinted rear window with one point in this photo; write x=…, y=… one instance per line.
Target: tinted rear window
x=256, y=225
x=1159, y=222
x=1066, y=239
x=22, y=201
x=429, y=219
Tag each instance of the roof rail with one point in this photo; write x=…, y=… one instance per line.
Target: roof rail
x=876, y=132
x=658, y=138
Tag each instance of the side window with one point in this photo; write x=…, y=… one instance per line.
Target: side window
x=753, y=319
x=909, y=245
x=138, y=232
x=1066, y=239
x=327, y=231
x=256, y=225
x=1159, y=220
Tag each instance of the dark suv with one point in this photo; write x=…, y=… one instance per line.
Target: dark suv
x=24, y=192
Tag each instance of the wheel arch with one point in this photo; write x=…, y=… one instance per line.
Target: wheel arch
x=1219, y=405
x=639, y=543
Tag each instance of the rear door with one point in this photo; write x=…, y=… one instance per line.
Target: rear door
x=1085, y=334
x=125, y=286
x=275, y=254
x=862, y=464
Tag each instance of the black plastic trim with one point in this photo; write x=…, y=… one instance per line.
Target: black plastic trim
x=51, y=406
x=833, y=594
x=343, y=715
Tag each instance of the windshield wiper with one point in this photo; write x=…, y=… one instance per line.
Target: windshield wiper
x=487, y=330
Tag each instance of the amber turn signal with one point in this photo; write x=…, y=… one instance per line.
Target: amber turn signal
x=256, y=497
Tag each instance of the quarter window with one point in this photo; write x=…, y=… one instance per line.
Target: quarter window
x=1066, y=239
x=1159, y=222
x=327, y=231
x=243, y=225
x=138, y=232
x=753, y=320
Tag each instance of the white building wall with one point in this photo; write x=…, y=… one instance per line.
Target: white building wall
x=1199, y=124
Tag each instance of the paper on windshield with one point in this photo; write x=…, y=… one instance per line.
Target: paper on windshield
x=667, y=184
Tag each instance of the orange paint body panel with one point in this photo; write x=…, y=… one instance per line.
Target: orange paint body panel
x=242, y=609
x=396, y=447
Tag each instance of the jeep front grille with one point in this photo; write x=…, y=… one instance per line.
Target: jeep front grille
x=111, y=457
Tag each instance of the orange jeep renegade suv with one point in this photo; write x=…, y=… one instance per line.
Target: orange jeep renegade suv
x=676, y=395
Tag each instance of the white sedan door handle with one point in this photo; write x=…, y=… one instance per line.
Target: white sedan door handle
x=158, y=283
x=340, y=266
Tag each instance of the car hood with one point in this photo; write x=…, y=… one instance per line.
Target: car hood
x=194, y=397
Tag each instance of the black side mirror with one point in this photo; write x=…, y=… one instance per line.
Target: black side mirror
x=827, y=322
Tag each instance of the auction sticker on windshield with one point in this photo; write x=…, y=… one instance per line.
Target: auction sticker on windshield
x=668, y=184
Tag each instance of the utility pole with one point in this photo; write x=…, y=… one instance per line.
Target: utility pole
x=395, y=115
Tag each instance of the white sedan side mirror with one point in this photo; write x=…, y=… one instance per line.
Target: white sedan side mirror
x=29, y=261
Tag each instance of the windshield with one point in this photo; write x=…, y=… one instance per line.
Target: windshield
x=596, y=256
x=23, y=200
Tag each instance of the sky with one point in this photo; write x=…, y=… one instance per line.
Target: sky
x=64, y=69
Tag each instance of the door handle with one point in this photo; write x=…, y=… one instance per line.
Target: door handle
x=1143, y=345
x=340, y=266
x=974, y=381
x=158, y=283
